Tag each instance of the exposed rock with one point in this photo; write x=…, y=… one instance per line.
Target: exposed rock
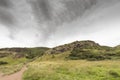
x=70, y=46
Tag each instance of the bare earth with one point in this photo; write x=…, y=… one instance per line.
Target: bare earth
x=15, y=76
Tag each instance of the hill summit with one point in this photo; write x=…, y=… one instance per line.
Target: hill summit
x=71, y=46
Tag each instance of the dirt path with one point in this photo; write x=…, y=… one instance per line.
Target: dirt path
x=15, y=76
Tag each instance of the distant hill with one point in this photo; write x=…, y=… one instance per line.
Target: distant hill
x=89, y=50
x=71, y=46
x=23, y=52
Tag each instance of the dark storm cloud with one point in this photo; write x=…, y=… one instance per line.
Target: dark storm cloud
x=41, y=9
x=6, y=17
x=4, y=3
x=54, y=13
x=45, y=10
x=52, y=20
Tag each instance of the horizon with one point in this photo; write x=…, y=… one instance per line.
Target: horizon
x=37, y=23
x=58, y=45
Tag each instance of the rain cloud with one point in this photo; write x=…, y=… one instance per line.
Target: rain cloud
x=48, y=22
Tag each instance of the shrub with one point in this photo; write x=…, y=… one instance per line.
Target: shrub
x=89, y=54
x=35, y=52
x=114, y=74
x=3, y=63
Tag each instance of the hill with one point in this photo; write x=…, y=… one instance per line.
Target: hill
x=79, y=60
x=89, y=50
x=70, y=46
x=23, y=52
x=13, y=59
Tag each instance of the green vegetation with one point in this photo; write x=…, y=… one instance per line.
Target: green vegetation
x=31, y=53
x=11, y=65
x=84, y=60
x=73, y=70
x=94, y=52
x=13, y=59
x=3, y=62
x=80, y=60
x=89, y=54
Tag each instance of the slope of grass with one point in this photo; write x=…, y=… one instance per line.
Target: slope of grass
x=54, y=57
x=73, y=70
x=35, y=52
x=13, y=65
x=94, y=53
x=13, y=59
x=56, y=63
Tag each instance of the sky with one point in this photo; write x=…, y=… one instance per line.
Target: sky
x=49, y=23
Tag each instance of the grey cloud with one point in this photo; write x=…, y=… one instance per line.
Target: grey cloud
x=52, y=18
x=5, y=3
x=6, y=17
x=41, y=9
x=54, y=13
x=67, y=10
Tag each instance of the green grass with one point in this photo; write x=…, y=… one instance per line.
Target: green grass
x=73, y=70
x=13, y=59
x=54, y=57
x=13, y=65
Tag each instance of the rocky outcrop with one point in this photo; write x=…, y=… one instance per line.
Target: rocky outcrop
x=68, y=47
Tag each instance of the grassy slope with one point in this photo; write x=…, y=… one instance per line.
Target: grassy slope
x=16, y=58
x=57, y=67
x=73, y=70
x=13, y=65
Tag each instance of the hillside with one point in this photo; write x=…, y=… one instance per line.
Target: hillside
x=76, y=44
x=23, y=52
x=13, y=59
x=79, y=60
x=76, y=59
x=89, y=50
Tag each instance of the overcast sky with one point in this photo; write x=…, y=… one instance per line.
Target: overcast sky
x=35, y=23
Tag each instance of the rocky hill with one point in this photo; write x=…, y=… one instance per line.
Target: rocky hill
x=71, y=46
x=75, y=50
x=89, y=50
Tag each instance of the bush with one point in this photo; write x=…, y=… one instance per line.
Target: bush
x=88, y=54
x=3, y=63
x=35, y=52
x=114, y=73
